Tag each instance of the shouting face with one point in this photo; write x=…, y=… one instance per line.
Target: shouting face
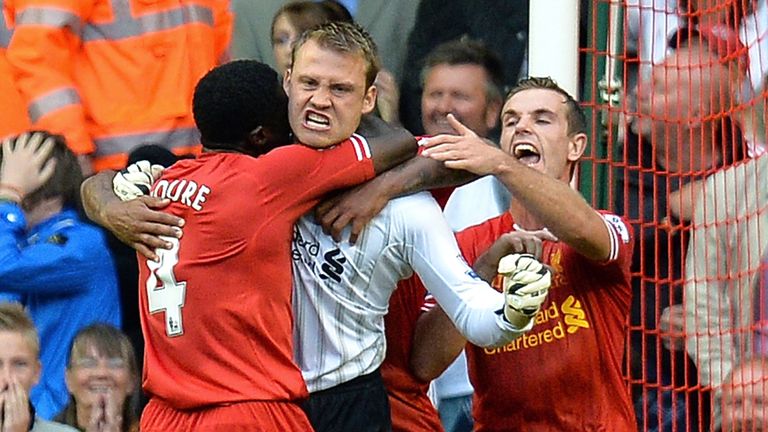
x=535, y=132
x=327, y=94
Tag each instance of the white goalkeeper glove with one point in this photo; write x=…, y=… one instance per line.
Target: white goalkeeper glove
x=526, y=284
x=135, y=180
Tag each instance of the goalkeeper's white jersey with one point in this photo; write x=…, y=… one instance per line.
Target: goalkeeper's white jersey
x=342, y=291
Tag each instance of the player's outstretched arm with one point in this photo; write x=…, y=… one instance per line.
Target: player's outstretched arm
x=552, y=201
x=137, y=222
x=525, y=284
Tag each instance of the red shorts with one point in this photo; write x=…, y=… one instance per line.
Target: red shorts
x=257, y=416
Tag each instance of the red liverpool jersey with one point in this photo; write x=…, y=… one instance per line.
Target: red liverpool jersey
x=566, y=373
x=216, y=309
x=412, y=411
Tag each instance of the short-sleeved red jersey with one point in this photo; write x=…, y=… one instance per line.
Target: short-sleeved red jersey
x=216, y=309
x=566, y=373
x=412, y=411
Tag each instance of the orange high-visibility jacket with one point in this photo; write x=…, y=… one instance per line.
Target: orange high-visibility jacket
x=13, y=111
x=111, y=75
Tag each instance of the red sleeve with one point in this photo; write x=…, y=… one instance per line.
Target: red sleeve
x=621, y=235
x=308, y=173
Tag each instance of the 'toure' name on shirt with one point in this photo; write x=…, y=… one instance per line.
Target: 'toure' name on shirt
x=186, y=192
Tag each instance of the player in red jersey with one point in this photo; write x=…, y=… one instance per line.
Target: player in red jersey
x=216, y=306
x=411, y=408
x=567, y=373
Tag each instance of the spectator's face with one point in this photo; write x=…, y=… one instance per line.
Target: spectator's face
x=284, y=34
x=535, y=131
x=93, y=376
x=327, y=94
x=18, y=361
x=460, y=90
x=680, y=93
x=745, y=400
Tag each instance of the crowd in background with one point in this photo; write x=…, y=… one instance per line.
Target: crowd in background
x=111, y=82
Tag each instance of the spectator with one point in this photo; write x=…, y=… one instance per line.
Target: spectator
x=681, y=135
x=110, y=76
x=14, y=116
x=752, y=33
x=388, y=23
x=650, y=24
x=760, y=307
x=19, y=371
x=292, y=19
x=55, y=263
x=466, y=79
x=576, y=351
x=103, y=381
x=745, y=392
x=501, y=24
x=728, y=237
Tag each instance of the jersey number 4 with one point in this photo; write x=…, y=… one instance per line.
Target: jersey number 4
x=168, y=295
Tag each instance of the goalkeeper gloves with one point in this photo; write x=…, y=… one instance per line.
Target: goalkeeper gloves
x=526, y=282
x=135, y=180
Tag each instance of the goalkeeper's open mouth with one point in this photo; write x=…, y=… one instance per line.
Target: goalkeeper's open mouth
x=526, y=153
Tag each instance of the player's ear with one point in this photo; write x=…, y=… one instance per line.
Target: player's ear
x=287, y=80
x=576, y=146
x=369, y=99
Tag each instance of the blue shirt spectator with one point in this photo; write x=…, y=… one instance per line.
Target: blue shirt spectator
x=58, y=266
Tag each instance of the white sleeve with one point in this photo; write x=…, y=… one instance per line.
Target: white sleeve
x=708, y=320
x=475, y=308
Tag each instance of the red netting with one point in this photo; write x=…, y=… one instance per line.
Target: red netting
x=678, y=134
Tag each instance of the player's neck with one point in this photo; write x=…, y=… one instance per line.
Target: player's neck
x=523, y=218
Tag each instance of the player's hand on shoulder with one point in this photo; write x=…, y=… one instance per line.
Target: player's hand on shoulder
x=354, y=208
x=526, y=283
x=139, y=223
x=137, y=219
